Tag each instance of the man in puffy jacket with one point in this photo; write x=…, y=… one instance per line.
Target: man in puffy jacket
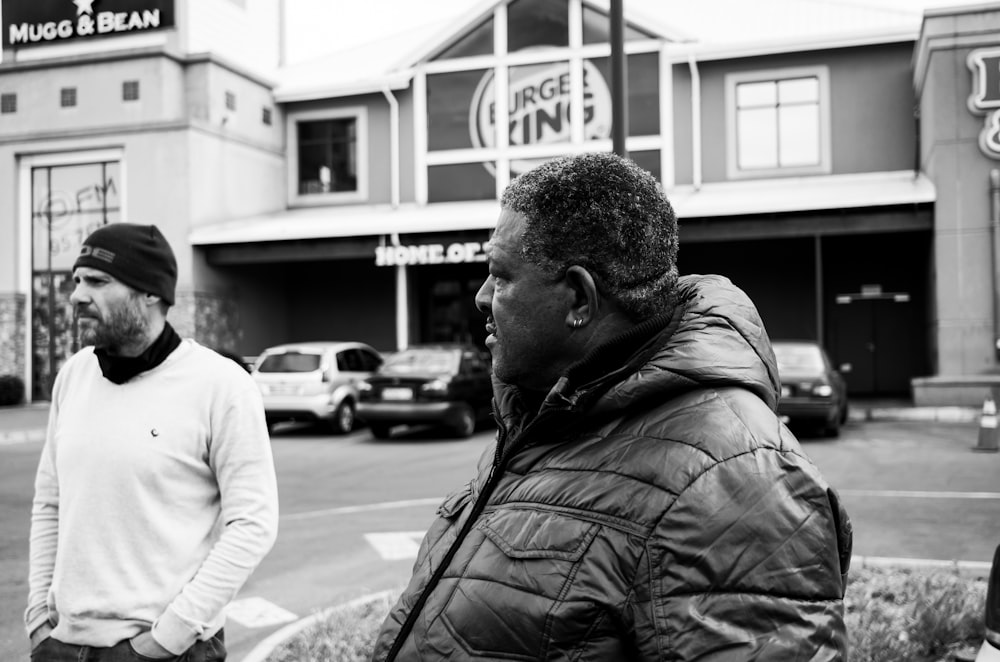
x=642, y=501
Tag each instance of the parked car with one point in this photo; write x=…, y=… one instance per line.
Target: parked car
x=314, y=381
x=446, y=384
x=813, y=392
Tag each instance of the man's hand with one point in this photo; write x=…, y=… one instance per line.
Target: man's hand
x=40, y=634
x=144, y=644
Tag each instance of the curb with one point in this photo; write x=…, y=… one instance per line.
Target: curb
x=939, y=414
x=262, y=650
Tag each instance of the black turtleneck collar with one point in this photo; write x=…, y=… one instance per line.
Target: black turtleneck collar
x=120, y=369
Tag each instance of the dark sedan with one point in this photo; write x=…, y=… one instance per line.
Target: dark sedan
x=446, y=384
x=813, y=392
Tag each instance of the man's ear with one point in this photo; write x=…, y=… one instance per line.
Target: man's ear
x=586, y=297
x=151, y=299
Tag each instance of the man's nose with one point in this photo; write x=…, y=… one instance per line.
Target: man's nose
x=77, y=296
x=484, y=297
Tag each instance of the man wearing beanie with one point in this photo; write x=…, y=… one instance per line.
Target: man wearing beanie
x=642, y=500
x=155, y=496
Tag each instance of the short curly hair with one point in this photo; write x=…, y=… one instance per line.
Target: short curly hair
x=605, y=213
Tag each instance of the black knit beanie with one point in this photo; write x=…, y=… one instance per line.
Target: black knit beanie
x=137, y=255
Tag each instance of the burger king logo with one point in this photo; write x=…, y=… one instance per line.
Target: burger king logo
x=539, y=108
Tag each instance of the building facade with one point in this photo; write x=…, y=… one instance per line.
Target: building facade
x=843, y=183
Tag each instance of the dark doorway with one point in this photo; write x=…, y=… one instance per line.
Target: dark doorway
x=874, y=343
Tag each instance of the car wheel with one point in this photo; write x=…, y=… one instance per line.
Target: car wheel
x=832, y=428
x=379, y=430
x=844, y=413
x=343, y=418
x=465, y=422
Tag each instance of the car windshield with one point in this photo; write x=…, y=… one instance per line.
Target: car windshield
x=290, y=362
x=434, y=361
x=797, y=358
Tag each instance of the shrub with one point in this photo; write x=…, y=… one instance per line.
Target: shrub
x=345, y=635
x=11, y=390
x=892, y=615
x=913, y=615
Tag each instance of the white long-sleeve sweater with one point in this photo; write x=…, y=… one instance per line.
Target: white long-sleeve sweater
x=154, y=500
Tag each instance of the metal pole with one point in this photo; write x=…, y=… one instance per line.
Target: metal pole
x=619, y=80
x=52, y=289
x=995, y=230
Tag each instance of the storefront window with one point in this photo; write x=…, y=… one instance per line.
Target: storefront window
x=778, y=122
x=68, y=202
x=643, y=91
x=537, y=23
x=327, y=156
x=539, y=103
x=597, y=28
x=461, y=181
x=648, y=160
x=478, y=41
x=449, y=97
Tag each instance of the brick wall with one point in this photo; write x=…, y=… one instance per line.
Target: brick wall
x=12, y=321
x=211, y=319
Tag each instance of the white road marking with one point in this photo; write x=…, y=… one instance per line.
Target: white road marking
x=12, y=437
x=918, y=494
x=364, y=508
x=258, y=613
x=397, y=545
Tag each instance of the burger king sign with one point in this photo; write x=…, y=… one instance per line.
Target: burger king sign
x=539, y=108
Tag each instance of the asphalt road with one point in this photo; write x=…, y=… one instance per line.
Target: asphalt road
x=353, y=510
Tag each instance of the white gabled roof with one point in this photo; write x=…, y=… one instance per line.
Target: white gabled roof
x=710, y=200
x=380, y=51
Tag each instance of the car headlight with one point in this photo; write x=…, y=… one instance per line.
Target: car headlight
x=364, y=387
x=822, y=390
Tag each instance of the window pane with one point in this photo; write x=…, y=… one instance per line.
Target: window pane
x=327, y=156
x=758, y=140
x=756, y=94
x=460, y=110
x=597, y=28
x=537, y=23
x=68, y=203
x=539, y=103
x=648, y=160
x=478, y=41
x=799, y=137
x=290, y=362
x=463, y=181
x=643, y=93
x=798, y=90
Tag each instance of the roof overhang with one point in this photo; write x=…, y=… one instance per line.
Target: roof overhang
x=350, y=221
x=799, y=194
x=770, y=196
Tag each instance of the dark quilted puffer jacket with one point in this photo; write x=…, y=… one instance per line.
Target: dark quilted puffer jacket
x=655, y=508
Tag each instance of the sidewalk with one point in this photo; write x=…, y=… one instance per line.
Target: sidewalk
x=27, y=422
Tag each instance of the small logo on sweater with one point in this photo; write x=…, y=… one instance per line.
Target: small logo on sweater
x=154, y=432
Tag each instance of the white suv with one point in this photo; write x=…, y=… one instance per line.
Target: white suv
x=314, y=381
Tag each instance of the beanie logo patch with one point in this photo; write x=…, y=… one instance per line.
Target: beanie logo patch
x=97, y=252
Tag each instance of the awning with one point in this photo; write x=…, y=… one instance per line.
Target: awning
x=794, y=194
x=787, y=195
x=350, y=221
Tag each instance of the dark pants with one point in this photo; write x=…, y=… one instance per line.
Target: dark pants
x=53, y=650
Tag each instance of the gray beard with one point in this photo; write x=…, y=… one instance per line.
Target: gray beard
x=125, y=326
